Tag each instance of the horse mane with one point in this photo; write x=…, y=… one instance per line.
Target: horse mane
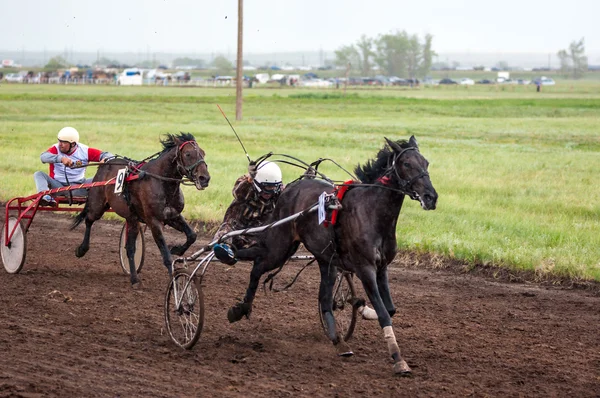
x=375, y=168
x=171, y=140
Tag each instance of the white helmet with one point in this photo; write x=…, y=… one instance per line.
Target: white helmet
x=268, y=178
x=68, y=134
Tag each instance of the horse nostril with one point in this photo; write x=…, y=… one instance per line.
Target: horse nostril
x=432, y=199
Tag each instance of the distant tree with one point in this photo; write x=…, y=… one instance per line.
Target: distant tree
x=574, y=62
x=427, y=56
x=396, y=54
x=392, y=52
x=188, y=62
x=347, y=55
x=565, y=63
x=57, y=62
x=222, y=65
x=365, y=49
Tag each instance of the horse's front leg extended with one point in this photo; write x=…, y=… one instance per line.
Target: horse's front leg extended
x=181, y=225
x=133, y=229
x=385, y=321
x=244, y=308
x=157, y=234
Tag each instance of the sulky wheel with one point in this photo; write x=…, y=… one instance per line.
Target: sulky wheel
x=184, y=321
x=140, y=250
x=13, y=255
x=344, y=312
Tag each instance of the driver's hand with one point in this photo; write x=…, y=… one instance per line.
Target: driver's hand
x=252, y=169
x=66, y=161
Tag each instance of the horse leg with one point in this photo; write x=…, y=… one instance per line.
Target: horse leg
x=384, y=290
x=328, y=276
x=91, y=214
x=369, y=282
x=157, y=234
x=133, y=229
x=85, y=244
x=181, y=225
x=277, y=257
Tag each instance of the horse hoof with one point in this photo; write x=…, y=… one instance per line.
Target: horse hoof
x=137, y=285
x=401, y=368
x=238, y=311
x=79, y=252
x=343, y=349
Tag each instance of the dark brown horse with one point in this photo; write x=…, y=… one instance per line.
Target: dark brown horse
x=154, y=199
x=363, y=240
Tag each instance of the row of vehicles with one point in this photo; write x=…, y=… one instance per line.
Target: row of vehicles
x=136, y=76
x=465, y=81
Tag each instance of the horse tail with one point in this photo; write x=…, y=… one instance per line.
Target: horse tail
x=81, y=216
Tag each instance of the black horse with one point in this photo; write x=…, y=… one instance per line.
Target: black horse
x=363, y=240
x=154, y=199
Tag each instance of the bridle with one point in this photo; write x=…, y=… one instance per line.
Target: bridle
x=405, y=186
x=188, y=171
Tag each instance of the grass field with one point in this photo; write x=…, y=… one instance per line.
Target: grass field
x=515, y=170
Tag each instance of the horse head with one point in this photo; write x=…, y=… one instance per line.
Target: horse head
x=190, y=162
x=409, y=169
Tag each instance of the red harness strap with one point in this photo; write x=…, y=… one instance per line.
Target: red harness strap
x=339, y=193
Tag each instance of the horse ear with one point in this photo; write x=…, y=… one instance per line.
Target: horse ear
x=413, y=142
x=393, y=145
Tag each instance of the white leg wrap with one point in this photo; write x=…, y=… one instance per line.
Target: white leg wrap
x=368, y=313
x=390, y=339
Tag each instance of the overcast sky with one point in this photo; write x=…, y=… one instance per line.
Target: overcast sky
x=196, y=26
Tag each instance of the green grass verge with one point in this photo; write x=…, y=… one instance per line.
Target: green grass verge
x=515, y=169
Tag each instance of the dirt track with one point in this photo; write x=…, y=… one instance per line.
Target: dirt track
x=74, y=327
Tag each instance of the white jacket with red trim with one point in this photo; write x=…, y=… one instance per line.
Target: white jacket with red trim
x=81, y=156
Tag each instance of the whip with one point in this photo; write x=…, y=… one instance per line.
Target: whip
x=236, y=134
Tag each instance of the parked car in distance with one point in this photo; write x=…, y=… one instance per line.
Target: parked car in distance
x=397, y=81
x=544, y=81
x=14, y=78
x=466, y=81
x=447, y=81
x=486, y=81
x=523, y=81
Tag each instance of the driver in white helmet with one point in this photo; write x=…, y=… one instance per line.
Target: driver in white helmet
x=254, y=198
x=67, y=160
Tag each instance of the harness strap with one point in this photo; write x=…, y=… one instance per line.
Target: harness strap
x=339, y=193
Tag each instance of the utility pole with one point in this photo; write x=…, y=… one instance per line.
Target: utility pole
x=240, y=63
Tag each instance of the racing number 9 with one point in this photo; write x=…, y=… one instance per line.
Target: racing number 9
x=120, y=179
